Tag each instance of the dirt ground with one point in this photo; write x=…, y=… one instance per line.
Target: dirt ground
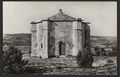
x=102, y=65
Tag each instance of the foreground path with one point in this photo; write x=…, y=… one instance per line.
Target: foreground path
x=68, y=66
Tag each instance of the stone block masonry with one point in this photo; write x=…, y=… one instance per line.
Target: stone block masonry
x=59, y=35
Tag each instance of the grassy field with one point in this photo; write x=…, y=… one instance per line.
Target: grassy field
x=68, y=66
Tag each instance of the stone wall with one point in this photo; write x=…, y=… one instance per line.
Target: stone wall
x=39, y=39
x=86, y=40
x=33, y=39
x=51, y=39
x=74, y=37
x=42, y=39
x=63, y=33
x=86, y=36
x=77, y=37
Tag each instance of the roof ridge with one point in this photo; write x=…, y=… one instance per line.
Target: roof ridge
x=61, y=16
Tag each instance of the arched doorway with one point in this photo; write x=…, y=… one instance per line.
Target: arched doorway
x=62, y=48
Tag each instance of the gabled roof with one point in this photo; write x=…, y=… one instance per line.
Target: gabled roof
x=61, y=17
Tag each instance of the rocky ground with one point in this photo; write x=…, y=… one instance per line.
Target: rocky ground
x=102, y=65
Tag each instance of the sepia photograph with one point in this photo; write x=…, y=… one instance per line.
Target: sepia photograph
x=60, y=38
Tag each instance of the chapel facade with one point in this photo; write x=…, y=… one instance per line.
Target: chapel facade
x=59, y=35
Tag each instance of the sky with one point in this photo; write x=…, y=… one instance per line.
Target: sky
x=17, y=16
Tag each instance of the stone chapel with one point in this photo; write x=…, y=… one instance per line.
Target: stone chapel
x=59, y=35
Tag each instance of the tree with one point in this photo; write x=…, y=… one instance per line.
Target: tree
x=84, y=58
x=13, y=62
x=103, y=53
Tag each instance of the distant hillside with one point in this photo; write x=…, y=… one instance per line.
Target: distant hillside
x=21, y=39
x=103, y=41
x=24, y=39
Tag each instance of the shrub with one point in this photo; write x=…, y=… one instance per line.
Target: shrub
x=113, y=53
x=35, y=69
x=59, y=67
x=13, y=62
x=52, y=56
x=97, y=49
x=69, y=56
